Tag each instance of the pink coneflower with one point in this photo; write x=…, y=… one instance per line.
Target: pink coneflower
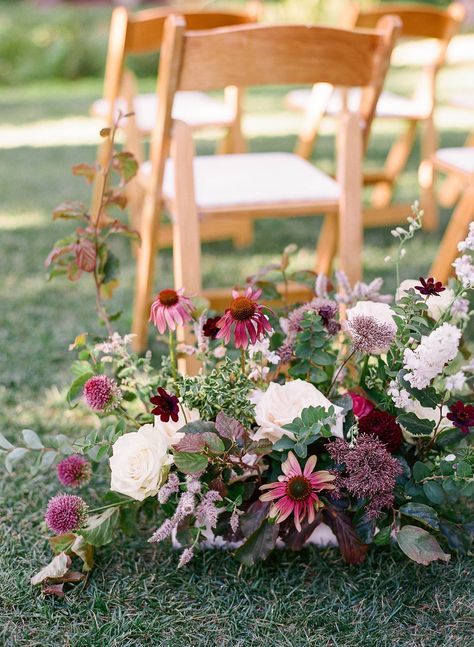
x=65, y=513
x=170, y=309
x=102, y=393
x=74, y=471
x=246, y=317
x=296, y=490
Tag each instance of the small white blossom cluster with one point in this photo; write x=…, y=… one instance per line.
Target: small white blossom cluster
x=463, y=265
x=430, y=357
x=456, y=382
x=400, y=396
x=260, y=357
x=414, y=223
x=115, y=344
x=467, y=245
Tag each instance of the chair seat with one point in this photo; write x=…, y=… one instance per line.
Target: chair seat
x=460, y=159
x=197, y=109
x=260, y=180
x=389, y=106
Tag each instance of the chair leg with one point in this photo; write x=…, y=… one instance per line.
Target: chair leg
x=430, y=218
x=456, y=232
x=186, y=237
x=349, y=175
x=453, y=185
x=234, y=141
x=326, y=247
x=395, y=162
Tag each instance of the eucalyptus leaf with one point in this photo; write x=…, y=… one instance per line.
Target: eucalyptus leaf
x=31, y=439
x=4, y=443
x=13, y=457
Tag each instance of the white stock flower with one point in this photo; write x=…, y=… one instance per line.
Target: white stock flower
x=282, y=403
x=468, y=244
x=170, y=430
x=432, y=354
x=437, y=303
x=456, y=382
x=139, y=463
x=400, y=396
x=464, y=270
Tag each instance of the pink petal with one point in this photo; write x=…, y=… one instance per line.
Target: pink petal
x=297, y=516
x=310, y=465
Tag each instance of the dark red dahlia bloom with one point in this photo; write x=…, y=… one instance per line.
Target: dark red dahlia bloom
x=429, y=287
x=462, y=416
x=210, y=328
x=383, y=426
x=167, y=406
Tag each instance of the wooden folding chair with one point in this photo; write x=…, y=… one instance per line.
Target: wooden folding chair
x=258, y=185
x=459, y=163
x=419, y=22
x=142, y=33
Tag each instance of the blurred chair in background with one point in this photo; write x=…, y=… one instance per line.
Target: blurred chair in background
x=419, y=22
x=142, y=33
x=258, y=185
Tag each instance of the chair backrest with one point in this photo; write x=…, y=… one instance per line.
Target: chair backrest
x=265, y=55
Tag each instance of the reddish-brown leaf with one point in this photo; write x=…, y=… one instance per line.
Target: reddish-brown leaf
x=352, y=549
x=54, y=589
x=193, y=443
x=86, y=255
x=55, y=253
x=228, y=427
x=87, y=171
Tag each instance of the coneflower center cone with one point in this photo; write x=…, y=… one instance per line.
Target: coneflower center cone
x=242, y=308
x=168, y=297
x=298, y=488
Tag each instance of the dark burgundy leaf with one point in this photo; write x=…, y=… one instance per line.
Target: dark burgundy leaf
x=259, y=545
x=295, y=540
x=73, y=577
x=54, y=589
x=253, y=517
x=352, y=549
x=228, y=427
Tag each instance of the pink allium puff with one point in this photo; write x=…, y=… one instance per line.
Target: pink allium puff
x=74, y=471
x=296, y=490
x=170, y=309
x=246, y=317
x=102, y=393
x=65, y=513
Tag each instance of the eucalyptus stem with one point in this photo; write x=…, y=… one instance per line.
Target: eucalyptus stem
x=334, y=379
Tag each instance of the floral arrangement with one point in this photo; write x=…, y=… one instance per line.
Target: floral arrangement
x=345, y=421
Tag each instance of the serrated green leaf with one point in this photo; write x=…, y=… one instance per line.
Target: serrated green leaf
x=190, y=463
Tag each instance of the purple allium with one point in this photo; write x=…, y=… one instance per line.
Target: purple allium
x=163, y=532
x=368, y=472
x=102, y=393
x=185, y=557
x=65, y=513
x=166, y=406
x=74, y=471
x=370, y=335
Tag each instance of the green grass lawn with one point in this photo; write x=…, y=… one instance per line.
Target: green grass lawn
x=135, y=596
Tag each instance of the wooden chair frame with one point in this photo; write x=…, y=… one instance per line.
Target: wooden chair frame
x=268, y=55
x=142, y=33
x=419, y=21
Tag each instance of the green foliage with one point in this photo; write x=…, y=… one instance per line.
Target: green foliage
x=420, y=545
x=314, y=423
x=314, y=359
x=100, y=528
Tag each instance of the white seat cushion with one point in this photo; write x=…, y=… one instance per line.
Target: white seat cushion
x=389, y=105
x=259, y=179
x=461, y=158
x=195, y=108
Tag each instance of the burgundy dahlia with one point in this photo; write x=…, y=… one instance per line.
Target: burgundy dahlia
x=210, y=328
x=166, y=406
x=429, y=287
x=383, y=426
x=102, y=393
x=462, y=416
x=74, y=471
x=65, y=513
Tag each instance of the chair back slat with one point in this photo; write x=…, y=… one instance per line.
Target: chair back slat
x=277, y=55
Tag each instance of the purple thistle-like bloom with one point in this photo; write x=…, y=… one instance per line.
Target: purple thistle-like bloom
x=170, y=487
x=207, y=512
x=369, y=472
x=185, y=557
x=163, y=532
x=65, y=513
x=74, y=471
x=370, y=335
x=102, y=393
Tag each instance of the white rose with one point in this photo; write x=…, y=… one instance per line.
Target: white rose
x=138, y=463
x=170, y=429
x=424, y=413
x=282, y=403
x=437, y=304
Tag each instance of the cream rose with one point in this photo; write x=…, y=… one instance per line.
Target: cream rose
x=170, y=429
x=138, y=463
x=282, y=403
x=437, y=304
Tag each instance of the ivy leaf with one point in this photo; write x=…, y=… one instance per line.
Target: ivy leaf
x=190, y=463
x=420, y=546
x=421, y=512
x=100, y=527
x=353, y=550
x=228, y=427
x=259, y=545
x=416, y=426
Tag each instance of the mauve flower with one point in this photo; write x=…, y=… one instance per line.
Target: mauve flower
x=383, y=426
x=185, y=557
x=65, y=513
x=371, y=326
x=74, y=471
x=430, y=287
x=170, y=309
x=102, y=393
x=360, y=405
x=296, y=490
x=245, y=317
x=462, y=416
x=166, y=406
